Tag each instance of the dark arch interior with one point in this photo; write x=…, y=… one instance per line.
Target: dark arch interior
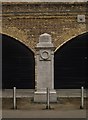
x=71, y=63
x=17, y=64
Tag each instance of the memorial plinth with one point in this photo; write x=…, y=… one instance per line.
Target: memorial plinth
x=45, y=69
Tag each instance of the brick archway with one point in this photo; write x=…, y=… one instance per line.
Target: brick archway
x=69, y=35
x=18, y=67
x=17, y=34
x=71, y=63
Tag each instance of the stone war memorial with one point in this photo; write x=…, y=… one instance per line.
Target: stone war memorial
x=44, y=59
x=27, y=58
x=45, y=69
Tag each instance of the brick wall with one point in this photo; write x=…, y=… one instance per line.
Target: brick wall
x=26, y=21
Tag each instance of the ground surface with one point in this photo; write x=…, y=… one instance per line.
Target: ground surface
x=26, y=108
x=44, y=114
x=28, y=104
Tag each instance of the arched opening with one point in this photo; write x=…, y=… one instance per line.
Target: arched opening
x=18, y=65
x=71, y=61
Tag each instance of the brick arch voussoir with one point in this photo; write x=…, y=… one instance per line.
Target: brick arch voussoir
x=64, y=38
x=17, y=35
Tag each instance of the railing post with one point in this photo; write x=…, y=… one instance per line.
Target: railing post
x=14, y=97
x=82, y=98
x=48, y=99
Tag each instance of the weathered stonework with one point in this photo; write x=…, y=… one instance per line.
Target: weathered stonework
x=45, y=69
x=26, y=21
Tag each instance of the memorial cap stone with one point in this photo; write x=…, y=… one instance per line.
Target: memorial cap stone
x=45, y=38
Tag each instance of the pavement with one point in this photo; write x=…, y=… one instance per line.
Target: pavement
x=60, y=113
x=44, y=114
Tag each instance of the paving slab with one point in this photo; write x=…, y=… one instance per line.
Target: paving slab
x=44, y=114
